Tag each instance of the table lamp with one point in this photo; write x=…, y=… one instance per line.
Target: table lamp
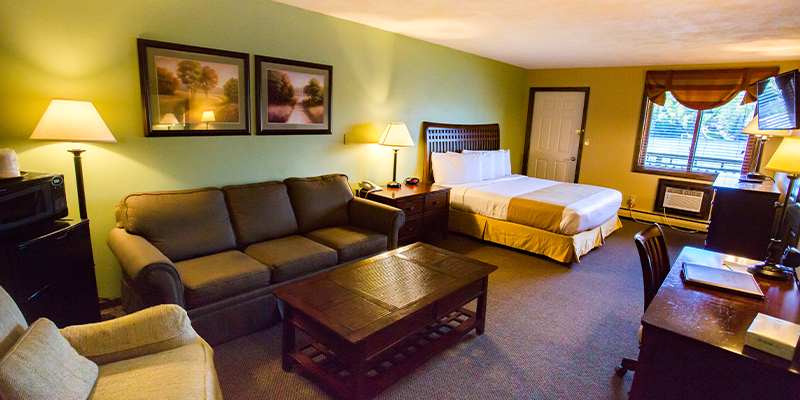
x=169, y=120
x=208, y=116
x=786, y=159
x=73, y=121
x=395, y=136
x=762, y=137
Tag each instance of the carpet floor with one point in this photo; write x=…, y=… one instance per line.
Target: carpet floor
x=553, y=331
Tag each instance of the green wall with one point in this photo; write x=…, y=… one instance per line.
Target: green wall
x=86, y=50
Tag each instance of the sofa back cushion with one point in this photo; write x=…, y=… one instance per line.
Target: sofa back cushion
x=260, y=211
x=181, y=224
x=320, y=201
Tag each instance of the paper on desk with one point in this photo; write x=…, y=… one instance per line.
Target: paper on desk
x=734, y=266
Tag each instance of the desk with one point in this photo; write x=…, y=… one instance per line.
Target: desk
x=693, y=340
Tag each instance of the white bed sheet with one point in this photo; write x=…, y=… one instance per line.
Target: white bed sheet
x=490, y=198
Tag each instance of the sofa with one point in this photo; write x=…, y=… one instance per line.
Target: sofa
x=149, y=354
x=219, y=252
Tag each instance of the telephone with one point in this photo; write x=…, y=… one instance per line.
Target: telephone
x=411, y=181
x=369, y=186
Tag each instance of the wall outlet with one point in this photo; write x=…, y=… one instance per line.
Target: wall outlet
x=631, y=201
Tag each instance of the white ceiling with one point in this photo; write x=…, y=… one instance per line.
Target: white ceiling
x=588, y=33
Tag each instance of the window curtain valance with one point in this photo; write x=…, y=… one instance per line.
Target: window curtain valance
x=706, y=88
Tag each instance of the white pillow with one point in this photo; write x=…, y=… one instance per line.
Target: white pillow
x=507, y=161
x=453, y=168
x=498, y=161
x=487, y=165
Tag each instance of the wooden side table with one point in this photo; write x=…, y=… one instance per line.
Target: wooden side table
x=48, y=270
x=425, y=205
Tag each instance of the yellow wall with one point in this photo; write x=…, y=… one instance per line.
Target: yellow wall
x=615, y=102
x=87, y=50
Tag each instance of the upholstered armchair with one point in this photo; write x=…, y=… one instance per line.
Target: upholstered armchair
x=150, y=354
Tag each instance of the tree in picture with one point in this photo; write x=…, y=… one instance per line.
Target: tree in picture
x=180, y=81
x=298, y=103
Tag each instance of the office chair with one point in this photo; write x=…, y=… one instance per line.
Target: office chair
x=655, y=268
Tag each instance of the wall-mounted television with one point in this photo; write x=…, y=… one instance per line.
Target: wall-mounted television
x=777, y=101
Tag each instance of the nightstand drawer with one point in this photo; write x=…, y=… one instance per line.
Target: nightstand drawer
x=436, y=201
x=435, y=220
x=413, y=226
x=411, y=207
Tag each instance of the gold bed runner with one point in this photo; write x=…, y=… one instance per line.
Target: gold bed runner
x=544, y=208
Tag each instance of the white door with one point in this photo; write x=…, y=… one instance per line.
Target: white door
x=556, y=126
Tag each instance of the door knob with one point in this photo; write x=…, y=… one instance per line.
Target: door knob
x=572, y=159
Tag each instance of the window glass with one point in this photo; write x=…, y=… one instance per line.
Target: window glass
x=682, y=140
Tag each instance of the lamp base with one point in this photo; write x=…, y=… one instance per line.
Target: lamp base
x=756, y=176
x=771, y=271
x=393, y=185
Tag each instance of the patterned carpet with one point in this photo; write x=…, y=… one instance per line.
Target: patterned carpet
x=553, y=332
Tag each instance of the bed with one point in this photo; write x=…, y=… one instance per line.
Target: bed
x=562, y=221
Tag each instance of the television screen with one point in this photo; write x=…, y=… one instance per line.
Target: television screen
x=777, y=102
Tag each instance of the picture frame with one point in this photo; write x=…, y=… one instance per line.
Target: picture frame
x=193, y=91
x=283, y=107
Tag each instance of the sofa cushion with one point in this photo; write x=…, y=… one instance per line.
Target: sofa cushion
x=42, y=365
x=350, y=242
x=260, y=211
x=292, y=256
x=319, y=202
x=211, y=278
x=186, y=372
x=181, y=224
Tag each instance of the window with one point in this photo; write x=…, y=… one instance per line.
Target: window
x=679, y=141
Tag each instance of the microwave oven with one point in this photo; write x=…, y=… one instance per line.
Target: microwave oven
x=31, y=198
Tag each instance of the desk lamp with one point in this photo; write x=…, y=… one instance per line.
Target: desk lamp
x=786, y=159
x=73, y=121
x=396, y=136
x=762, y=137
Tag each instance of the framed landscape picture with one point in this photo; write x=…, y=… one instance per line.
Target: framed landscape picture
x=193, y=91
x=292, y=97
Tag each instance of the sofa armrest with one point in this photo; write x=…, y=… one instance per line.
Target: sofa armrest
x=376, y=217
x=154, y=276
x=149, y=331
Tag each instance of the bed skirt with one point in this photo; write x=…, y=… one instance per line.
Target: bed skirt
x=562, y=248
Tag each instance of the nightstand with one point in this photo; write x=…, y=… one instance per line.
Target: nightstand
x=425, y=206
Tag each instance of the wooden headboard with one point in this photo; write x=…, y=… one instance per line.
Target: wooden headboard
x=441, y=138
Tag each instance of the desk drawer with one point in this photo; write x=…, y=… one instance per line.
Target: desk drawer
x=411, y=206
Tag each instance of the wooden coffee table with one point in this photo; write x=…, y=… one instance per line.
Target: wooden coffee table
x=372, y=322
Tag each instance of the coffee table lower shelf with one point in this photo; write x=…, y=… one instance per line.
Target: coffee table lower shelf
x=390, y=365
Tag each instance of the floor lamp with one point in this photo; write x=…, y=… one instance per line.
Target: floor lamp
x=761, y=138
x=396, y=136
x=73, y=121
x=786, y=159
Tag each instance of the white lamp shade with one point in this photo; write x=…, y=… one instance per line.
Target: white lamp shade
x=208, y=116
x=396, y=135
x=169, y=119
x=786, y=157
x=752, y=129
x=72, y=121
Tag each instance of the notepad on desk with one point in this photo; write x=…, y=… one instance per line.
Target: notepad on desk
x=722, y=279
